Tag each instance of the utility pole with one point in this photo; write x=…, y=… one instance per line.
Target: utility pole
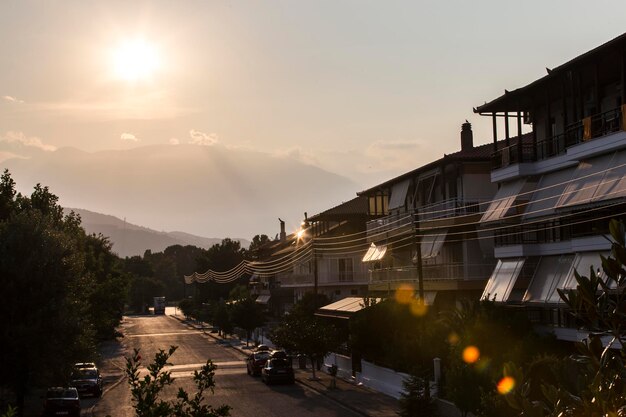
x=417, y=260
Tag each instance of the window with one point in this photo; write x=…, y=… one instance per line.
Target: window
x=345, y=268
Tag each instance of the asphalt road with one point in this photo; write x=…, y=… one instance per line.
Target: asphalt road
x=247, y=395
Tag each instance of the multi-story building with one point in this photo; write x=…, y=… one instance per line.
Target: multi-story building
x=437, y=205
x=323, y=257
x=559, y=184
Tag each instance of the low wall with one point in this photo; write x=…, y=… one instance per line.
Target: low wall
x=372, y=376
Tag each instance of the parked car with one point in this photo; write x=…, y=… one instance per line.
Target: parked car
x=61, y=401
x=277, y=370
x=84, y=365
x=262, y=348
x=87, y=381
x=256, y=361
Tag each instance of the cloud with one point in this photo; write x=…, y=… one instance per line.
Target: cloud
x=12, y=99
x=393, y=155
x=129, y=137
x=201, y=138
x=20, y=138
x=174, y=141
x=298, y=154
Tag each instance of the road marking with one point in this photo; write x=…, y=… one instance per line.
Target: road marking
x=189, y=368
x=164, y=334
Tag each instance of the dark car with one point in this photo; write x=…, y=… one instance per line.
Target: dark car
x=256, y=361
x=87, y=381
x=61, y=402
x=277, y=370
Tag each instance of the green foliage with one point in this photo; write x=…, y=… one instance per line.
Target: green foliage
x=9, y=412
x=142, y=293
x=239, y=292
x=248, y=315
x=146, y=390
x=403, y=340
x=596, y=382
x=222, y=319
x=301, y=332
x=416, y=401
x=61, y=289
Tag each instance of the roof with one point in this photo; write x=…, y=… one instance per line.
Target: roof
x=355, y=207
x=515, y=97
x=476, y=153
x=344, y=308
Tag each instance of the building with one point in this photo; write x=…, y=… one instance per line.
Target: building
x=432, y=213
x=559, y=183
x=324, y=256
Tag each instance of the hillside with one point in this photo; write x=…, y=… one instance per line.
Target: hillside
x=129, y=239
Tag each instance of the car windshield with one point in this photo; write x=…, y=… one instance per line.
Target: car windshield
x=85, y=373
x=61, y=393
x=261, y=355
x=279, y=363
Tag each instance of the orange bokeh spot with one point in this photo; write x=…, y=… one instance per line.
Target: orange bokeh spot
x=404, y=294
x=506, y=385
x=418, y=309
x=453, y=338
x=471, y=354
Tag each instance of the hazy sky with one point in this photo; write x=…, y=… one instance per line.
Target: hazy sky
x=365, y=89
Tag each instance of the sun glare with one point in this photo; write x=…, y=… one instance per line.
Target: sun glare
x=135, y=60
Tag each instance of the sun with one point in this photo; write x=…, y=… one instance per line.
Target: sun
x=135, y=60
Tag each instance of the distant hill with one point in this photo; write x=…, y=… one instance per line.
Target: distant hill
x=203, y=190
x=129, y=239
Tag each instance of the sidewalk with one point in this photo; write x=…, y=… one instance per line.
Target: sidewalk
x=350, y=395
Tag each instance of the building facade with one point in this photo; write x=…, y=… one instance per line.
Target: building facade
x=559, y=183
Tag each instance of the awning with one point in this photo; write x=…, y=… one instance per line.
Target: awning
x=503, y=279
x=398, y=194
x=344, y=308
x=374, y=253
x=548, y=193
x=596, y=179
x=432, y=243
x=614, y=182
x=503, y=200
x=552, y=273
x=582, y=264
x=263, y=298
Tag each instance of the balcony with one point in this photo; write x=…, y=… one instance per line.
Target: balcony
x=590, y=128
x=452, y=207
x=451, y=271
x=402, y=223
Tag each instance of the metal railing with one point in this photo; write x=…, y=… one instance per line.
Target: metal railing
x=583, y=130
x=449, y=208
x=450, y=271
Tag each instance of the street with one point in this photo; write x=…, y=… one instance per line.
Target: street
x=247, y=395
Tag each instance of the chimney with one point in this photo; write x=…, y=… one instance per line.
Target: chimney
x=283, y=235
x=467, y=137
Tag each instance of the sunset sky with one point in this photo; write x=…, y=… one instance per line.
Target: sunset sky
x=364, y=89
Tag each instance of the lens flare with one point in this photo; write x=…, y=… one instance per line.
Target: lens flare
x=453, y=338
x=471, y=354
x=404, y=294
x=506, y=385
x=418, y=309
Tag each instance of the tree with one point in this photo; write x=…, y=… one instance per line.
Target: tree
x=146, y=390
x=596, y=382
x=142, y=292
x=416, y=401
x=256, y=250
x=46, y=321
x=301, y=332
x=248, y=315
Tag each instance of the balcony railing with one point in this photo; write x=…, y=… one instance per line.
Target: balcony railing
x=587, y=129
x=442, y=209
x=449, y=208
x=451, y=271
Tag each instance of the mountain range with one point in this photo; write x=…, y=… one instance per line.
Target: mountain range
x=129, y=240
x=201, y=190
